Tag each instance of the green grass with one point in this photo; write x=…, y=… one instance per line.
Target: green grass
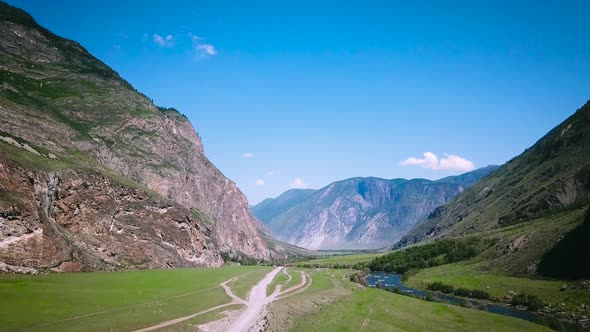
x=342, y=259
x=117, y=300
x=295, y=277
x=191, y=324
x=391, y=312
x=241, y=287
x=469, y=275
x=280, y=279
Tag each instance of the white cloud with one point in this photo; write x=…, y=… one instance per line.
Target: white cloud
x=452, y=162
x=202, y=49
x=447, y=163
x=248, y=155
x=206, y=49
x=259, y=182
x=168, y=41
x=298, y=183
x=272, y=172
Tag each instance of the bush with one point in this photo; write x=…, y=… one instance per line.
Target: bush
x=463, y=292
x=479, y=294
x=394, y=290
x=440, y=287
x=532, y=302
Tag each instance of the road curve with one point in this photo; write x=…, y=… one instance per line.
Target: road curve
x=257, y=301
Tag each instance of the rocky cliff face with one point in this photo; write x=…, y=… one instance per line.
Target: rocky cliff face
x=70, y=221
x=61, y=109
x=358, y=212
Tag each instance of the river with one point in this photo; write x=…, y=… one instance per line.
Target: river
x=393, y=280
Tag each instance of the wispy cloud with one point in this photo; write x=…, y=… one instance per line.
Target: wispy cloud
x=206, y=49
x=167, y=41
x=202, y=48
x=248, y=155
x=259, y=182
x=448, y=162
x=298, y=183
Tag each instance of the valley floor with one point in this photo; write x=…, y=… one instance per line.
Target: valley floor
x=117, y=301
x=294, y=299
x=333, y=303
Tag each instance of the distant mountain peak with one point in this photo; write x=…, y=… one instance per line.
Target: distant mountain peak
x=359, y=212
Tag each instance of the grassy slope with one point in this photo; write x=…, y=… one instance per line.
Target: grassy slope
x=469, y=275
x=345, y=307
x=132, y=299
x=488, y=271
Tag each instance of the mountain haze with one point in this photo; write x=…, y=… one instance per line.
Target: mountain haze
x=358, y=212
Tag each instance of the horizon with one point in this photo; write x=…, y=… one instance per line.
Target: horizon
x=389, y=91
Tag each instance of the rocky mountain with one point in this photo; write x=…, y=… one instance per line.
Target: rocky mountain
x=272, y=207
x=358, y=212
x=528, y=205
x=93, y=175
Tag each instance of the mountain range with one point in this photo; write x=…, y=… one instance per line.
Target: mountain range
x=358, y=212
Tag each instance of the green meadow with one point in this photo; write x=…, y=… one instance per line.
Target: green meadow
x=332, y=303
x=124, y=301
x=120, y=301
x=469, y=275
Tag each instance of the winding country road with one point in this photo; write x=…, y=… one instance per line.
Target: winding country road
x=257, y=301
x=255, y=305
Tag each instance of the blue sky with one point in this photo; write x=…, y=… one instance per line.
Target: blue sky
x=303, y=93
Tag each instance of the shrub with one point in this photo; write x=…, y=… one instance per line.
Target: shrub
x=463, y=292
x=479, y=294
x=440, y=287
x=532, y=302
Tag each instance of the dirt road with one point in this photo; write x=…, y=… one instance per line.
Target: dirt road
x=257, y=301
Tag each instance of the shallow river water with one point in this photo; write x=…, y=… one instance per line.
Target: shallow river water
x=393, y=280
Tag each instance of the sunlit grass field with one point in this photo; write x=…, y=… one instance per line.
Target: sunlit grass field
x=467, y=275
x=120, y=301
x=368, y=309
